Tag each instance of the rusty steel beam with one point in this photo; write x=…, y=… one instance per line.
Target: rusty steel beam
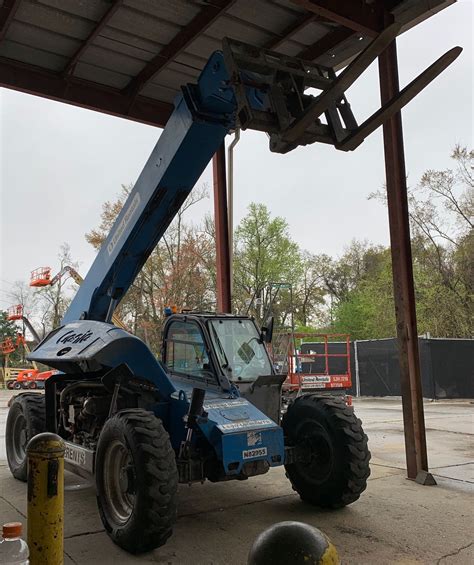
x=86, y=94
x=290, y=30
x=364, y=18
x=402, y=269
x=325, y=44
x=69, y=68
x=186, y=35
x=7, y=13
x=224, y=300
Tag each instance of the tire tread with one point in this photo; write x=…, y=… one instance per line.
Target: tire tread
x=160, y=483
x=347, y=428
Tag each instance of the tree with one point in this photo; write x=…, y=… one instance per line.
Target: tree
x=264, y=253
x=52, y=301
x=441, y=209
x=21, y=293
x=309, y=296
x=9, y=330
x=368, y=310
x=176, y=272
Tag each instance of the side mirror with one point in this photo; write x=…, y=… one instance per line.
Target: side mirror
x=267, y=330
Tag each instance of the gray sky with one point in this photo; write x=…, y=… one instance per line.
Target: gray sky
x=59, y=163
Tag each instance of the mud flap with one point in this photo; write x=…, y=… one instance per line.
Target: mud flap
x=265, y=394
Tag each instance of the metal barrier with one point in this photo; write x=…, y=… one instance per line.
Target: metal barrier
x=45, y=514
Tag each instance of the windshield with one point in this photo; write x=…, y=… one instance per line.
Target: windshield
x=238, y=346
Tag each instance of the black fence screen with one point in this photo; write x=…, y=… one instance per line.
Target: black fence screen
x=447, y=367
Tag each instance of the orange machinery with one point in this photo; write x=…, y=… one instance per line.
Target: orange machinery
x=29, y=378
x=41, y=277
x=310, y=370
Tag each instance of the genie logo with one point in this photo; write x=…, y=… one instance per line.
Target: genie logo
x=71, y=337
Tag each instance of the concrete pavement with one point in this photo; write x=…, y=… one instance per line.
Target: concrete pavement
x=395, y=521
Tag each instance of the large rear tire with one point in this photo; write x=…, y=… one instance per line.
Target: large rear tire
x=137, y=481
x=26, y=418
x=333, y=465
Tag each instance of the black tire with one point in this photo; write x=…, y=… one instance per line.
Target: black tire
x=10, y=385
x=26, y=418
x=17, y=385
x=138, y=505
x=32, y=385
x=336, y=471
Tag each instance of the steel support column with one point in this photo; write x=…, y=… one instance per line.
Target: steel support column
x=222, y=232
x=403, y=287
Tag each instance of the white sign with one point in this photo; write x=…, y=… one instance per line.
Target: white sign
x=252, y=453
x=315, y=379
x=246, y=424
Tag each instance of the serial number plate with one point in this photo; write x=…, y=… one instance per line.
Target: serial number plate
x=252, y=453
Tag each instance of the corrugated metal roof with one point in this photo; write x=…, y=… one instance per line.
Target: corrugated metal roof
x=117, y=45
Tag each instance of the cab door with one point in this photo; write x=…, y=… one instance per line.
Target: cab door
x=186, y=354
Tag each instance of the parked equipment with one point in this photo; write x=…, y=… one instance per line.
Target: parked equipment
x=30, y=379
x=211, y=408
x=313, y=363
x=18, y=377
x=15, y=313
x=10, y=375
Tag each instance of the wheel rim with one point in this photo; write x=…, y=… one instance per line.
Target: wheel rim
x=314, y=440
x=119, y=482
x=19, y=439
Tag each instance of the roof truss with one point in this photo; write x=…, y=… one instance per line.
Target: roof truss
x=363, y=17
x=7, y=12
x=69, y=68
x=184, y=37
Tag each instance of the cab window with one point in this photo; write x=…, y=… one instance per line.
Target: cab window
x=186, y=351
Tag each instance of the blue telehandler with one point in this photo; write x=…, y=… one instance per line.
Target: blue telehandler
x=209, y=409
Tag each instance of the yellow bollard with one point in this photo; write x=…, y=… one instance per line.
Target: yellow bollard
x=45, y=454
x=292, y=542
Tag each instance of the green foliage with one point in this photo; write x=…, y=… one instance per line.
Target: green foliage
x=264, y=253
x=367, y=311
x=441, y=215
x=8, y=329
x=349, y=294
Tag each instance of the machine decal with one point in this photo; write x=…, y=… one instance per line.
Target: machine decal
x=316, y=379
x=247, y=424
x=252, y=453
x=217, y=405
x=123, y=224
x=79, y=456
x=254, y=438
x=71, y=337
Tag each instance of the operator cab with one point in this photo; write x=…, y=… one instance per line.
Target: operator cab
x=221, y=350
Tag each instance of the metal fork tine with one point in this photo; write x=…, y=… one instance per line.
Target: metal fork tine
x=348, y=76
x=399, y=101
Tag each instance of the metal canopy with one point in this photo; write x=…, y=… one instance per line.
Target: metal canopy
x=130, y=57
